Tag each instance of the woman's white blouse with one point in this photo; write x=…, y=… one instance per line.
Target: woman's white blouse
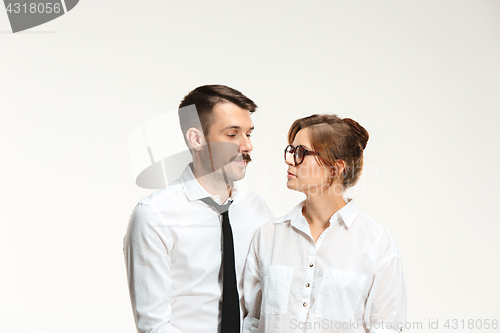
x=350, y=280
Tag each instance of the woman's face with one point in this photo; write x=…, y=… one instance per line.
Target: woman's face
x=308, y=177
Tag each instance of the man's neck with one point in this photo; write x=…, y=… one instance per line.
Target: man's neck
x=215, y=183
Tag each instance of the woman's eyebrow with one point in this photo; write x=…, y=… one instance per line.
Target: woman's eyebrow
x=306, y=147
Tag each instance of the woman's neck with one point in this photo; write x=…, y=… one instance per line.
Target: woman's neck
x=319, y=208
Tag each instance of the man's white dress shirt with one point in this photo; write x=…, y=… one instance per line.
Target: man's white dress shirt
x=350, y=280
x=173, y=249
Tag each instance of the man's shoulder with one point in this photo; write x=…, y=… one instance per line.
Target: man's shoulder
x=249, y=198
x=161, y=197
x=161, y=206
x=253, y=201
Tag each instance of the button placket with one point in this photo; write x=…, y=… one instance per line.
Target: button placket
x=309, y=276
x=320, y=238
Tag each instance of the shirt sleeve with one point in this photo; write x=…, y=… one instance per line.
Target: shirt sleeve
x=262, y=206
x=386, y=303
x=269, y=213
x=147, y=261
x=252, y=288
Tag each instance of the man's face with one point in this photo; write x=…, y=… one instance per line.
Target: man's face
x=229, y=139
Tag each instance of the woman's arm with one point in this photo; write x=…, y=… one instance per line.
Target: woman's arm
x=386, y=304
x=252, y=292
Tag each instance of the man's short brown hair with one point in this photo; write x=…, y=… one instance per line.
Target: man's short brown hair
x=205, y=98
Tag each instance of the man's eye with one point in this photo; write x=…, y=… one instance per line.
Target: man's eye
x=249, y=135
x=231, y=135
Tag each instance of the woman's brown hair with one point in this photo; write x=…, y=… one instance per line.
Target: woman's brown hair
x=335, y=139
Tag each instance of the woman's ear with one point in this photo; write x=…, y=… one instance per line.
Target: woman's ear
x=331, y=175
x=340, y=167
x=195, y=138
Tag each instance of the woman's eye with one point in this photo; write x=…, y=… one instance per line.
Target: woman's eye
x=249, y=135
x=231, y=135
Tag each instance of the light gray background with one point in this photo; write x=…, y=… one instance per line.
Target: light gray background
x=422, y=77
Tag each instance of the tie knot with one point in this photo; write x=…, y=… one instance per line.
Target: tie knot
x=219, y=208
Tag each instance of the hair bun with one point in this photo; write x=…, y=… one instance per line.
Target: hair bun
x=359, y=130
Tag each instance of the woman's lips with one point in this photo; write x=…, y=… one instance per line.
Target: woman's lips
x=289, y=174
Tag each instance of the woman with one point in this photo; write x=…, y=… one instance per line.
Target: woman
x=324, y=266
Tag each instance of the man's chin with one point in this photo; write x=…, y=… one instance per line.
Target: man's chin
x=236, y=171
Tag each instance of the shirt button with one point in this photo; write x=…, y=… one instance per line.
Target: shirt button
x=307, y=285
x=311, y=265
x=304, y=304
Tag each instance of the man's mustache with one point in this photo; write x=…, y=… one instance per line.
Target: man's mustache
x=243, y=157
x=246, y=157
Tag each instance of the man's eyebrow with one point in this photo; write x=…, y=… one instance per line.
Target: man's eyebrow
x=236, y=127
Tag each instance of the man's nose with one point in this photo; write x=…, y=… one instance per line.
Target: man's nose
x=245, y=144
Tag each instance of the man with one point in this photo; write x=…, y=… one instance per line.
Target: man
x=186, y=245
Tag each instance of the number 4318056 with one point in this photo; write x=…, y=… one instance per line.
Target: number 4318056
x=34, y=8
x=471, y=324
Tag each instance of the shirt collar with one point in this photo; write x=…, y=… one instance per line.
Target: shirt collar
x=193, y=189
x=347, y=214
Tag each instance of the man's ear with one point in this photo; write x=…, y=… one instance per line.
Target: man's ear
x=195, y=138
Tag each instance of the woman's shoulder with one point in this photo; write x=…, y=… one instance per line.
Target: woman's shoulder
x=365, y=221
x=377, y=232
x=268, y=229
x=270, y=225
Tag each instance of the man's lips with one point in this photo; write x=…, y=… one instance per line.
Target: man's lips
x=241, y=162
x=243, y=159
x=289, y=174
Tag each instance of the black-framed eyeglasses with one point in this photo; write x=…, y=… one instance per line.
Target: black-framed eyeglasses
x=298, y=152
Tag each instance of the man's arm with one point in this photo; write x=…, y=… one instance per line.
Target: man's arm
x=147, y=260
